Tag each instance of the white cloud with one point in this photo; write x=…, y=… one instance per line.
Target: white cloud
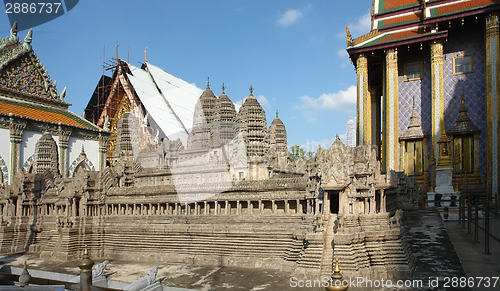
x=288, y=18
x=342, y=53
x=363, y=25
x=263, y=102
x=331, y=101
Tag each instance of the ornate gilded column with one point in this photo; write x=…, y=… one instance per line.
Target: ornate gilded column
x=492, y=104
x=63, y=151
x=103, y=150
x=437, y=104
x=16, y=135
x=391, y=111
x=363, y=118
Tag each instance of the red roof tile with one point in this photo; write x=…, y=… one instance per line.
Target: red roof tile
x=397, y=3
x=402, y=34
x=38, y=114
x=402, y=18
x=464, y=5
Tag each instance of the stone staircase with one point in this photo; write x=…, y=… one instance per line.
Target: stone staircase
x=222, y=239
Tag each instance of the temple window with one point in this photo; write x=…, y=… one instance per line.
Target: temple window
x=413, y=71
x=462, y=64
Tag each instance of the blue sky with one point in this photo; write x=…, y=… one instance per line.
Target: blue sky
x=292, y=52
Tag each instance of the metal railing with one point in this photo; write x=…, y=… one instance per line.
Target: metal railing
x=469, y=207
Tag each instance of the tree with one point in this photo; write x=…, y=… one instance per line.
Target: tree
x=296, y=152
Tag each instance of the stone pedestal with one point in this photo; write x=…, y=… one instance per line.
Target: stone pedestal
x=444, y=188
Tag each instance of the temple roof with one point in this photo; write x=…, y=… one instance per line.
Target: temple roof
x=408, y=21
x=414, y=129
x=23, y=76
x=463, y=125
x=169, y=100
x=43, y=113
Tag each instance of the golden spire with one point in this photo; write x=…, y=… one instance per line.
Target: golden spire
x=337, y=268
x=349, y=37
x=145, y=58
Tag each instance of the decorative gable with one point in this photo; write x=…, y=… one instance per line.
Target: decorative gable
x=22, y=73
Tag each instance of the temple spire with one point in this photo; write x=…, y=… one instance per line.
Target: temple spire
x=276, y=113
x=208, y=82
x=223, y=88
x=251, y=90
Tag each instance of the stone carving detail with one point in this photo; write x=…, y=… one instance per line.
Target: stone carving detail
x=278, y=138
x=253, y=125
x=45, y=157
x=22, y=70
x=97, y=271
x=4, y=172
x=82, y=162
x=141, y=284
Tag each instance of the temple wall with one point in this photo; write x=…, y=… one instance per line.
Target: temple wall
x=466, y=42
x=28, y=144
x=91, y=150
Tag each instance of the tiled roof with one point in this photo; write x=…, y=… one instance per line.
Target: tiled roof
x=42, y=113
x=399, y=20
x=390, y=5
x=400, y=35
x=461, y=6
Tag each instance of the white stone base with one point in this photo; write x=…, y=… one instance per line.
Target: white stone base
x=443, y=188
x=443, y=180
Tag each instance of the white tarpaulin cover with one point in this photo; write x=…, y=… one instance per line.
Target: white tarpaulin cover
x=174, y=118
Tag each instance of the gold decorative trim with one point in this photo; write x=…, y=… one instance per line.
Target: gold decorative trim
x=364, y=37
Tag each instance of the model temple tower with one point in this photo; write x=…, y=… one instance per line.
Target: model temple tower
x=277, y=137
x=351, y=133
x=253, y=125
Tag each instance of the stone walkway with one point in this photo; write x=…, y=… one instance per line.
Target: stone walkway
x=434, y=254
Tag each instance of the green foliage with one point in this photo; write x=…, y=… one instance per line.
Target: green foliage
x=296, y=152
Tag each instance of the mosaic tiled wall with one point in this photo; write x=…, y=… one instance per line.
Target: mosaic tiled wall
x=466, y=42
x=418, y=89
x=462, y=42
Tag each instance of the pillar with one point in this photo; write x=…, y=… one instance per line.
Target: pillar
x=391, y=132
x=16, y=134
x=103, y=150
x=437, y=104
x=492, y=103
x=364, y=108
x=63, y=151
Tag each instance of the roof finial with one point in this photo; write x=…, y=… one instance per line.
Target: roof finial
x=145, y=58
x=276, y=113
x=13, y=30
x=208, y=82
x=116, y=52
x=350, y=117
x=251, y=89
x=29, y=37
x=223, y=87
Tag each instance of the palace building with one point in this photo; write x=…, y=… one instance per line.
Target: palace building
x=37, y=131
x=427, y=89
